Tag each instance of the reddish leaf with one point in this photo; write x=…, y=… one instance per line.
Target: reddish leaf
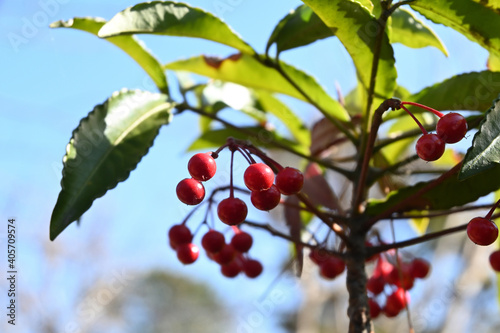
x=317, y=188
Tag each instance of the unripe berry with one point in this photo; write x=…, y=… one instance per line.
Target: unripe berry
x=482, y=231
x=289, y=181
x=202, y=166
x=232, y=211
x=190, y=191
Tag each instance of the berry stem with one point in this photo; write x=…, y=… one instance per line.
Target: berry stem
x=231, y=188
x=246, y=155
x=425, y=107
x=492, y=210
x=422, y=128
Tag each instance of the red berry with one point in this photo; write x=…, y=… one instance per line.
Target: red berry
x=232, y=211
x=190, y=191
x=396, y=302
x=331, y=268
x=179, y=234
x=374, y=308
x=482, y=231
x=187, y=253
x=266, y=199
x=401, y=277
x=383, y=268
x=224, y=256
x=319, y=255
x=252, y=268
x=289, y=181
x=452, y=127
x=213, y=241
x=202, y=166
x=231, y=270
x=258, y=177
x=375, y=284
x=242, y=242
x=420, y=268
x=430, y=147
x=495, y=260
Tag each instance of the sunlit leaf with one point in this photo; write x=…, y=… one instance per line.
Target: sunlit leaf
x=410, y=31
x=173, y=19
x=105, y=147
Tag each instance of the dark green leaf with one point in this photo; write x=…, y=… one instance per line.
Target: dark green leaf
x=247, y=71
x=450, y=193
x=357, y=29
x=477, y=22
x=300, y=27
x=173, y=19
x=258, y=135
x=410, y=31
x=104, y=148
x=129, y=44
x=484, y=153
x=471, y=91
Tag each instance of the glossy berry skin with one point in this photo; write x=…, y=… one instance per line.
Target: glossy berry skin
x=331, y=268
x=266, y=199
x=252, y=268
x=187, y=253
x=213, y=241
x=495, y=260
x=232, y=211
x=231, y=270
x=179, y=234
x=420, y=268
x=202, y=166
x=258, y=177
x=482, y=231
x=190, y=191
x=430, y=147
x=452, y=127
x=289, y=181
x=242, y=241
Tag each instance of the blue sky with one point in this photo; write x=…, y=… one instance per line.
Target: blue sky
x=53, y=78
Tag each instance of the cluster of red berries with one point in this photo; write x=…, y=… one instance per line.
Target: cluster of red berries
x=329, y=266
x=391, y=279
x=201, y=167
x=450, y=128
x=232, y=257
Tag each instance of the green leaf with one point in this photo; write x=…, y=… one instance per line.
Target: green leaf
x=494, y=63
x=104, y=148
x=258, y=135
x=475, y=21
x=471, y=91
x=246, y=70
x=484, y=153
x=356, y=28
x=173, y=19
x=410, y=31
x=300, y=27
x=129, y=44
x=450, y=193
x=269, y=103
